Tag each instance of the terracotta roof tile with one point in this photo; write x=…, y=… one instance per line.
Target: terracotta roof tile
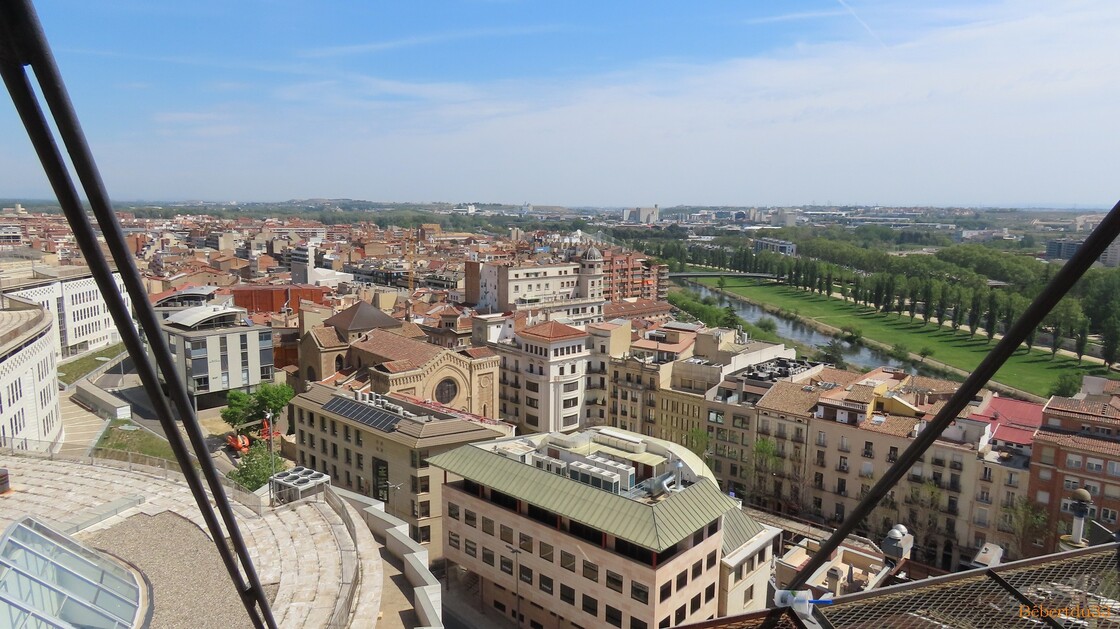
x=553, y=331
x=327, y=337
x=1078, y=442
x=789, y=397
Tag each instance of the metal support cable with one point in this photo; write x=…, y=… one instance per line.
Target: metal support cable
x=23, y=43
x=1092, y=249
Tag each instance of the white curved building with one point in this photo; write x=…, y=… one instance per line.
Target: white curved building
x=30, y=418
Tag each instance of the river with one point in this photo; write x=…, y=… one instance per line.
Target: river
x=793, y=330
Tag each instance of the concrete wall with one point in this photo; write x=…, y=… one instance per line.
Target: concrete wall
x=427, y=599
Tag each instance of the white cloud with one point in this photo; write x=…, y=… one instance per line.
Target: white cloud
x=991, y=105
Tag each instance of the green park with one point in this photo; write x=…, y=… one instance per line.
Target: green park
x=1035, y=371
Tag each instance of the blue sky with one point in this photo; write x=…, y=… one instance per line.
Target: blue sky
x=590, y=103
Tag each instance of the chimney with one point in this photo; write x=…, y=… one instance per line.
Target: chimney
x=833, y=577
x=1082, y=500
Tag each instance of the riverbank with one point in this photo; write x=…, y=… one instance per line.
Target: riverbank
x=933, y=336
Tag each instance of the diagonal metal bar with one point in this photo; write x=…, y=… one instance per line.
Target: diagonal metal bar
x=1022, y=598
x=1094, y=246
x=23, y=43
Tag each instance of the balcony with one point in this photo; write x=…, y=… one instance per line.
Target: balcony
x=1013, y=483
x=818, y=485
x=841, y=492
x=820, y=463
x=981, y=522
x=984, y=499
x=843, y=447
x=956, y=465
x=986, y=479
x=939, y=462
x=955, y=488
x=798, y=438
x=915, y=478
x=867, y=474
x=842, y=467
x=951, y=510
x=891, y=458
x=821, y=443
x=763, y=430
x=869, y=454
x=781, y=435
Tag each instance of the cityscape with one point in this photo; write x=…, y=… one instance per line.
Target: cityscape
x=530, y=317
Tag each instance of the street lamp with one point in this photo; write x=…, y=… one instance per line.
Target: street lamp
x=516, y=579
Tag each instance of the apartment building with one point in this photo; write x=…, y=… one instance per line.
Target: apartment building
x=542, y=377
x=572, y=291
x=601, y=528
x=217, y=349
x=378, y=446
x=856, y=426
x=1077, y=447
x=630, y=274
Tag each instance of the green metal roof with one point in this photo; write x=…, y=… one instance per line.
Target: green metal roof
x=653, y=525
x=738, y=529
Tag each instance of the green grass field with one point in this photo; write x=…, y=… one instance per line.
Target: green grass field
x=79, y=367
x=139, y=441
x=1035, y=372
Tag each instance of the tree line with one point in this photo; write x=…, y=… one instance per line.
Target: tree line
x=950, y=287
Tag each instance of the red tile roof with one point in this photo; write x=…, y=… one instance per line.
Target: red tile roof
x=553, y=331
x=1084, y=443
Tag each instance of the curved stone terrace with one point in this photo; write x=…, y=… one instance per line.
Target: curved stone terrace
x=303, y=551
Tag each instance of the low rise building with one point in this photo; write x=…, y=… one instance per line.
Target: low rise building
x=378, y=446
x=601, y=528
x=217, y=349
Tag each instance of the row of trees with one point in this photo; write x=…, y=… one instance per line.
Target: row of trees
x=947, y=287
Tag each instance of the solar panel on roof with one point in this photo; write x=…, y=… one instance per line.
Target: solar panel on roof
x=376, y=418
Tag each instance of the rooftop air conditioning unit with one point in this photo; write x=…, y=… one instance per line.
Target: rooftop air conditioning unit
x=298, y=483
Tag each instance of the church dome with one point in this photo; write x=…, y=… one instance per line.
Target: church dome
x=593, y=254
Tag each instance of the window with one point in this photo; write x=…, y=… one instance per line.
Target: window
x=711, y=562
x=546, y=552
x=453, y=511
x=470, y=518
x=666, y=591
x=487, y=526
x=694, y=604
x=526, y=574
x=590, y=605
x=567, y=594
x=453, y=540
x=470, y=548
x=614, y=581
x=614, y=617
x=639, y=592
x=488, y=556
x=507, y=565
x=506, y=534
x=1073, y=461
x=590, y=571
x=446, y=391
x=545, y=583
x=697, y=568
x=525, y=542
x=568, y=561
x=709, y=593
x=682, y=580
x=678, y=616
